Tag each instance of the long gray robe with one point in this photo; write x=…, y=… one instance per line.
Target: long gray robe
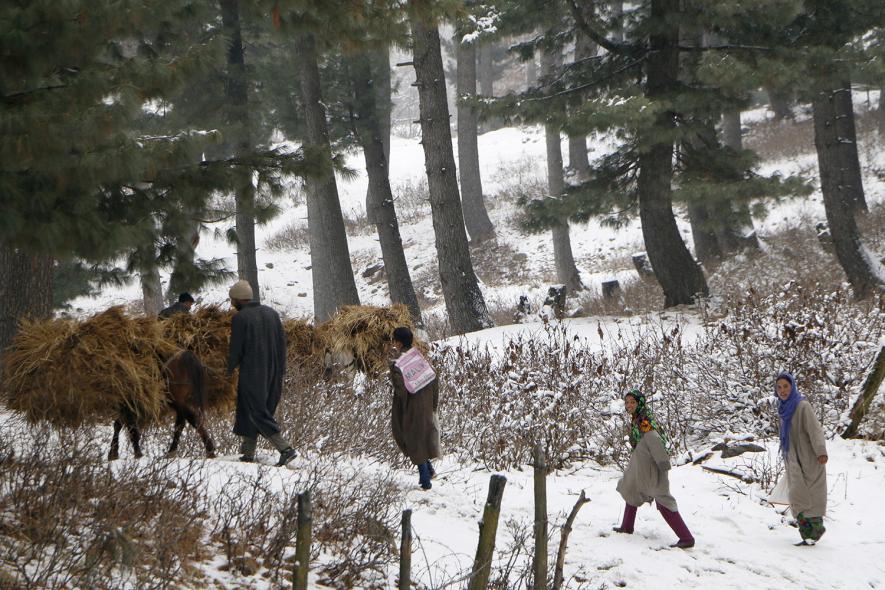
x=258, y=348
x=646, y=477
x=413, y=419
x=807, y=479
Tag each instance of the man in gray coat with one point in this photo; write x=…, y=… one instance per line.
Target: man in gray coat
x=258, y=348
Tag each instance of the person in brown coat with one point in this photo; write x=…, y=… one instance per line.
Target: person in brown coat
x=804, y=448
x=646, y=477
x=413, y=417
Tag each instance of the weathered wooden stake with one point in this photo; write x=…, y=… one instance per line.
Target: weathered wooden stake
x=302, y=541
x=488, y=528
x=539, y=567
x=405, y=552
x=563, y=541
x=867, y=394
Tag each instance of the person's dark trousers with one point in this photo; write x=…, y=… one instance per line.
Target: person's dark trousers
x=424, y=475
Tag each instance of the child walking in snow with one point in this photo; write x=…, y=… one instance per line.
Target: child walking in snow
x=645, y=478
x=804, y=449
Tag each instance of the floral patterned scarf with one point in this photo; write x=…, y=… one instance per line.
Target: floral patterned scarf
x=643, y=419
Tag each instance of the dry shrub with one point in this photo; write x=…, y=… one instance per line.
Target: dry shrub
x=206, y=333
x=364, y=333
x=70, y=373
x=70, y=520
x=412, y=199
x=294, y=236
x=635, y=297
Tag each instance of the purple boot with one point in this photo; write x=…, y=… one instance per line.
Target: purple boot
x=629, y=519
x=674, y=519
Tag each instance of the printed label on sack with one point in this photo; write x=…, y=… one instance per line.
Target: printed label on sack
x=417, y=372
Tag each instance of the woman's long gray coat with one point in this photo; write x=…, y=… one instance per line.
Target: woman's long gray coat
x=646, y=477
x=807, y=479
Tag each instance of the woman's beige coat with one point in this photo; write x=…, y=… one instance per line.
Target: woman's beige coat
x=646, y=477
x=807, y=479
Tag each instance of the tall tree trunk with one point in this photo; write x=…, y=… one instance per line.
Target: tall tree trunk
x=781, y=102
x=379, y=61
x=577, y=144
x=479, y=226
x=152, y=291
x=678, y=273
x=464, y=301
x=566, y=269
x=617, y=11
x=731, y=130
x=25, y=290
x=333, y=282
x=881, y=111
x=371, y=137
x=840, y=180
x=238, y=129
x=531, y=73
x=706, y=246
x=486, y=69
x=182, y=278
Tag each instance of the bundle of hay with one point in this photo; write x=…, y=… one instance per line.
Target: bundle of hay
x=71, y=373
x=305, y=348
x=206, y=332
x=364, y=333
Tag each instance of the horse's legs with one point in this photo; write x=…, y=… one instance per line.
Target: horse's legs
x=134, y=434
x=176, y=435
x=196, y=420
x=115, y=442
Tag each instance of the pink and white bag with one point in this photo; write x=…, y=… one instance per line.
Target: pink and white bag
x=417, y=372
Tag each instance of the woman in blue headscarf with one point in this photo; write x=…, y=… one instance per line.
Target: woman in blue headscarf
x=804, y=449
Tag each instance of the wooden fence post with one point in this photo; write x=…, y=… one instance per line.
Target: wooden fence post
x=488, y=528
x=539, y=565
x=405, y=552
x=302, y=541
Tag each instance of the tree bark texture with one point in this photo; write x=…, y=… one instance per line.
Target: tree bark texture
x=617, y=11
x=867, y=394
x=781, y=102
x=706, y=246
x=732, y=136
x=152, y=291
x=381, y=77
x=181, y=279
x=486, y=69
x=464, y=301
x=25, y=290
x=880, y=112
x=566, y=269
x=238, y=128
x=371, y=137
x=834, y=139
x=479, y=226
x=577, y=144
x=333, y=282
x=679, y=275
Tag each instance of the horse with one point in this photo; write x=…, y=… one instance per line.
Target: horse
x=186, y=394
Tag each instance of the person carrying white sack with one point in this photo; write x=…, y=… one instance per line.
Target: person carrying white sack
x=413, y=416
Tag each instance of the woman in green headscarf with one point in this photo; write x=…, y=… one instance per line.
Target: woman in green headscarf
x=646, y=478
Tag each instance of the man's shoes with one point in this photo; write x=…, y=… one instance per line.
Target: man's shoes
x=619, y=529
x=286, y=456
x=683, y=544
x=247, y=458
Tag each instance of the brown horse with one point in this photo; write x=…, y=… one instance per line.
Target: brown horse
x=186, y=390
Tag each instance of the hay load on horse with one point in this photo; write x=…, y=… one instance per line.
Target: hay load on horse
x=361, y=334
x=71, y=373
x=206, y=333
x=108, y=367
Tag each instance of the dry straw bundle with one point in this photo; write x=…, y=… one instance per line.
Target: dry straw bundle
x=365, y=333
x=206, y=333
x=71, y=373
x=305, y=348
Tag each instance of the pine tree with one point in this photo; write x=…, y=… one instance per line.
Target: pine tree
x=464, y=301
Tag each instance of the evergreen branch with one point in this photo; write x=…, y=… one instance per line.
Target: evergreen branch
x=723, y=47
x=17, y=96
x=601, y=40
x=591, y=84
